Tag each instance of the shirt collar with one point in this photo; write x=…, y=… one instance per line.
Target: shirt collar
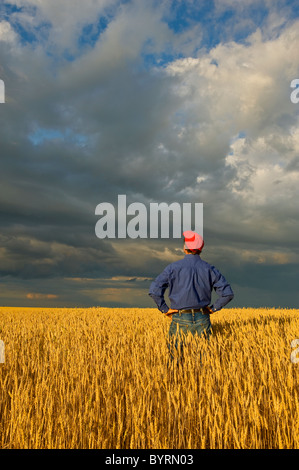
x=190, y=254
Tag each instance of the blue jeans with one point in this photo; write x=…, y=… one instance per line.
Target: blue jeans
x=183, y=323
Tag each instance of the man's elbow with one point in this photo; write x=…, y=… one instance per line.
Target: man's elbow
x=230, y=297
x=152, y=289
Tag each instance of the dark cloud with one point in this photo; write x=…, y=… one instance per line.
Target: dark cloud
x=85, y=123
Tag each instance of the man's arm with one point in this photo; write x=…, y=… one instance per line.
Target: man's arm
x=157, y=290
x=222, y=289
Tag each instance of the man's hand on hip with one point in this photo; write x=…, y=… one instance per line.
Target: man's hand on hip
x=170, y=313
x=208, y=310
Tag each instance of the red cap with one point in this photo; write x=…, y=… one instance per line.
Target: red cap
x=193, y=240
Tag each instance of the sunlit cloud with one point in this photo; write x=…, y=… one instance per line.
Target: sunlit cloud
x=39, y=296
x=161, y=101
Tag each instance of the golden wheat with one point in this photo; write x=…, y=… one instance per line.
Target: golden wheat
x=101, y=378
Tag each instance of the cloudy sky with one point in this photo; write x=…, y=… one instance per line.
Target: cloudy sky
x=161, y=101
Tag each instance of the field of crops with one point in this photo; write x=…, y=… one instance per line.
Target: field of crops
x=101, y=378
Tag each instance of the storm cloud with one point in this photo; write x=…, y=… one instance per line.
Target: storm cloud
x=160, y=101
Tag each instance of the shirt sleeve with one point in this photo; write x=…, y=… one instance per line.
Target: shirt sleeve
x=222, y=289
x=157, y=290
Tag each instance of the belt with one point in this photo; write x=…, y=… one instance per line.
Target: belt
x=191, y=310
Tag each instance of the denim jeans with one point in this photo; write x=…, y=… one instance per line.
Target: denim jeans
x=184, y=323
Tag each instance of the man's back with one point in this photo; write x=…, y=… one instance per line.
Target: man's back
x=190, y=282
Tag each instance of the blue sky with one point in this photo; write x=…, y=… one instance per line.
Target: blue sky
x=218, y=23
x=182, y=101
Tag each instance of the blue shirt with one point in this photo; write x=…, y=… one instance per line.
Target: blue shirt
x=190, y=282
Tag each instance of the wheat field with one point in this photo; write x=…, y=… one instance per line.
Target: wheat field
x=100, y=378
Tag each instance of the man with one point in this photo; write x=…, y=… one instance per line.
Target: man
x=190, y=282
